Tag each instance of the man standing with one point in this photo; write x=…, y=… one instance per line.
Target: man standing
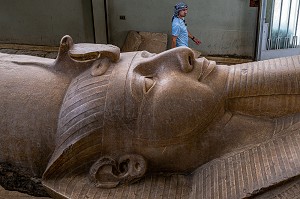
x=180, y=33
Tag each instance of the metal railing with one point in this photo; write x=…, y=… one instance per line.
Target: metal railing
x=283, y=22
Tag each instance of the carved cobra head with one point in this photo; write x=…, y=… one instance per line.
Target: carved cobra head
x=145, y=113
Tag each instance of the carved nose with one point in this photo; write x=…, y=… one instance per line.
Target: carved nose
x=186, y=59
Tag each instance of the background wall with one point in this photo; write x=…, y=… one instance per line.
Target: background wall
x=42, y=22
x=224, y=27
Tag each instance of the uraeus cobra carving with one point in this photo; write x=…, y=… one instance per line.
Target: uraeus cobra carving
x=99, y=123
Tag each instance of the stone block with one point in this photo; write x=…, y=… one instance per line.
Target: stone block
x=153, y=42
x=132, y=42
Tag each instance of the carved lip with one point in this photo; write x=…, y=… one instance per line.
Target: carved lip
x=207, y=69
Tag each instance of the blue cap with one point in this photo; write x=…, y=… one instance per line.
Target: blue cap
x=178, y=7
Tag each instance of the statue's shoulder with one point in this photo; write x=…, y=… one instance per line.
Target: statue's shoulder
x=266, y=167
x=265, y=170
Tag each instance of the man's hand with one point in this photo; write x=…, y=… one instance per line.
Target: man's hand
x=197, y=41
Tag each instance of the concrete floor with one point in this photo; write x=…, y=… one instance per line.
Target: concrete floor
x=227, y=60
x=40, y=51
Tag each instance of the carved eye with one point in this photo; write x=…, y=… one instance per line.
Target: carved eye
x=148, y=84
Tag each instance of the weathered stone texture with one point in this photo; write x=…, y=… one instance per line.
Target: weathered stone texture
x=132, y=42
x=148, y=41
x=153, y=42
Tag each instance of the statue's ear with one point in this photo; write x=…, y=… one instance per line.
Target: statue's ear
x=109, y=172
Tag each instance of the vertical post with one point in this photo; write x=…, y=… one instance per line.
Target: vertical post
x=278, y=39
x=107, y=20
x=295, y=37
x=287, y=38
x=269, y=45
x=99, y=18
x=260, y=25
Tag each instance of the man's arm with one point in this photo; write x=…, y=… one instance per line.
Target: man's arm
x=173, y=41
x=197, y=41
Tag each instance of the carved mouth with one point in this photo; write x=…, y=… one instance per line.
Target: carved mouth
x=208, y=67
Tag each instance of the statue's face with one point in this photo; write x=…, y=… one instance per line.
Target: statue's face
x=156, y=110
x=178, y=96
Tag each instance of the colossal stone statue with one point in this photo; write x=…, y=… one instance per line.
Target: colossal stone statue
x=95, y=123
